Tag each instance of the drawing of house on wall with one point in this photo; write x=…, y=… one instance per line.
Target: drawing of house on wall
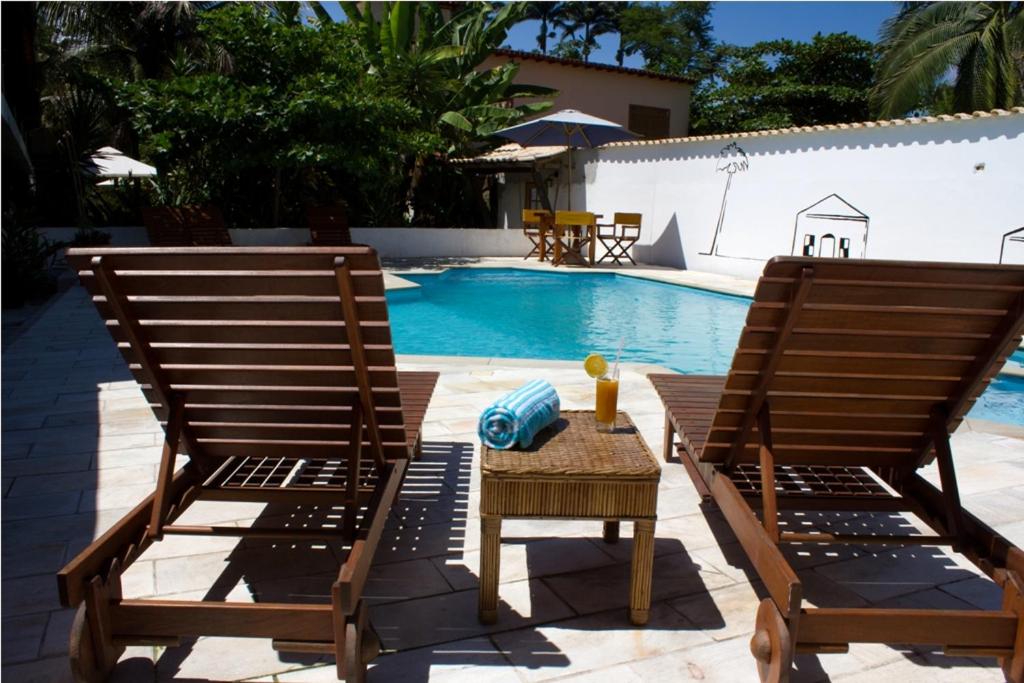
x=831, y=228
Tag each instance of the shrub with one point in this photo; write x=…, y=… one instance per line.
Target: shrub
x=24, y=259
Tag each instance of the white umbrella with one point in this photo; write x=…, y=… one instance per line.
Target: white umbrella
x=109, y=162
x=570, y=128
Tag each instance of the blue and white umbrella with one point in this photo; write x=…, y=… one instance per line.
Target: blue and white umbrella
x=570, y=128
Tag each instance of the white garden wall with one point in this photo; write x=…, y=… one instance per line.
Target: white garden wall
x=946, y=190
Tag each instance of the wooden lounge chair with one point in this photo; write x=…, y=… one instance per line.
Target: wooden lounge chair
x=623, y=234
x=328, y=226
x=184, y=226
x=849, y=377
x=273, y=370
x=537, y=226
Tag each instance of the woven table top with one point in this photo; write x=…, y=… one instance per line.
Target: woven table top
x=573, y=446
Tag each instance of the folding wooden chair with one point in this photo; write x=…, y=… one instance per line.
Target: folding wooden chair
x=537, y=226
x=849, y=377
x=273, y=370
x=624, y=233
x=328, y=225
x=574, y=232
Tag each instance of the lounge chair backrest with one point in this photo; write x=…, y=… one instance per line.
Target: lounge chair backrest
x=185, y=226
x=574, y=218
x=860, y=360
x=328, y=226
x=270, y=350
x=164, y=227
x=205, y=226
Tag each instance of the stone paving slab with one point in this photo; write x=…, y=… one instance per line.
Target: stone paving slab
x=79, y=449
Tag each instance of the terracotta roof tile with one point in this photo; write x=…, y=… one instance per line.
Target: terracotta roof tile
x=537, y=57
x=917, y=120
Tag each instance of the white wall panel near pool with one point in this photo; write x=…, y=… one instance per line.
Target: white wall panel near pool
x=945, y=190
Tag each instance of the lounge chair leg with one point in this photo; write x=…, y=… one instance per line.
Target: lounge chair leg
x=670, y=435
x=771, y=644
x=642, y=571
x=490, y=564
x=1013, y=601
x=361, y=647
x=92, y=654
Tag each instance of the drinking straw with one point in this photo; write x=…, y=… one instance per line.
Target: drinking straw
x=618, y=352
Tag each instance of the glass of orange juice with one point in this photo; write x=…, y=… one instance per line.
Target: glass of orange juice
x=607, y=401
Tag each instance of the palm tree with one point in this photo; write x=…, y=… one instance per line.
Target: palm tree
x=547, y=13
x=592, y=19
x=434, y=62
x=981, y=42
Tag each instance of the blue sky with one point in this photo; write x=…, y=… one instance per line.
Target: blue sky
x=745, y=23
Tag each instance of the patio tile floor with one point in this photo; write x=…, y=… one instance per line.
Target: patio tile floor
x=79, y=448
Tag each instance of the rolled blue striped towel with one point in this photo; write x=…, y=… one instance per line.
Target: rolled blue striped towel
x=517, y=417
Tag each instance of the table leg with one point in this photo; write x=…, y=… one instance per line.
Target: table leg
x=592, y=230
x=643, y=567
x=611, y=531
x=543, y=248
x=670, y=434
x=490, y=561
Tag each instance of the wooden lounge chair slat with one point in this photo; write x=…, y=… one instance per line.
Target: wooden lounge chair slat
x=885, y=323
x=894, y=294
x=265, y=354
x=958, y=345
x=242, y=258
x=971, y=274
x=340, y=376
x=295, y=331
x=277, y=309
x=896, y=364
x=239, y=283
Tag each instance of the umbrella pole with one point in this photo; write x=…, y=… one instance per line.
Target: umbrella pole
x=568, y=191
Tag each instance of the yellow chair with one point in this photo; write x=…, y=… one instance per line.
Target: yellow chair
x=574, y=231
x=537, y=224
x=625, y=231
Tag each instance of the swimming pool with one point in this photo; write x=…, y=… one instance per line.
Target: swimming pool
x=518, y=313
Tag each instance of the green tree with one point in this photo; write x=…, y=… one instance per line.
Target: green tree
x=589, y=20
x=674, y=38
x=547, y=13
x=296, y=120
x=981, y=42
x=782, y=83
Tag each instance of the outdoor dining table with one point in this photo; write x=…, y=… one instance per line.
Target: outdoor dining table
x=576, y=236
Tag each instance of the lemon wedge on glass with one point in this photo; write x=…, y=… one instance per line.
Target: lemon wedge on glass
x=595, y=365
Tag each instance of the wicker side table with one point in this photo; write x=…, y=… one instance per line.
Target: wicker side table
x=572, y=471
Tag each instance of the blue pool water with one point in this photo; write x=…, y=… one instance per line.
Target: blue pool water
x=511, y=313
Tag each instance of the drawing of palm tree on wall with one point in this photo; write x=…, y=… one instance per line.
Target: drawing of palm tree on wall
x=732, y=160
